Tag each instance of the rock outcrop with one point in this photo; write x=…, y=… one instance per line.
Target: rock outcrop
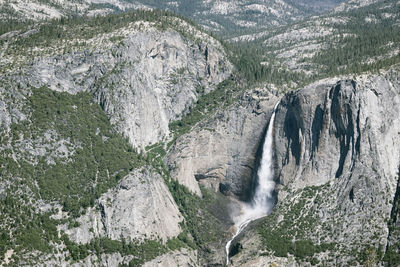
x=143, y=74
x=332, y=131
x=337, y=156
x=140, y=207
x=164, y=74
x=182, y=258
x=337, y=147
x=221, y=152
x=143, y=81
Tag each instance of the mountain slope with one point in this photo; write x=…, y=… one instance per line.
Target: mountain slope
x=225, y=17
x=337, y=43
x=134, y=138
x=118, y=62
x=73, y=161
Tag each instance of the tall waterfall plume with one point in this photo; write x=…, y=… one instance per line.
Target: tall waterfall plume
x=262, y=201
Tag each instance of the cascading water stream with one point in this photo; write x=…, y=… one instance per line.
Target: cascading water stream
x=262, y=201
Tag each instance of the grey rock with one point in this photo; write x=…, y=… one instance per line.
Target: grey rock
x=159, y=83
x=221, y=152
x=148, y=80
x=108, y=260
x=184, y=257
x=331, y=131
x=337, y=151
x=393, y=244
x=5, y=117
x=143, y=81
x=139, y=207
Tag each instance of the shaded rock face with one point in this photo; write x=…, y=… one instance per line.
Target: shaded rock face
x=393, y=245
x=337, y=156
x=345, y=135
x=221, y=153
x=139, y=207
x=325, y=132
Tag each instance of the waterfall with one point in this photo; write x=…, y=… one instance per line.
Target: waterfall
x=262, y=201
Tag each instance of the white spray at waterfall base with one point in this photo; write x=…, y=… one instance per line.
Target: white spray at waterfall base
x=262, y=201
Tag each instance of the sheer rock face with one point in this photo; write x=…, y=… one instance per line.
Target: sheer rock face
x=144, y=82
x=158, y=78
x=339, y=131
x=139, y=207
x=337, y=155
x=222, y=152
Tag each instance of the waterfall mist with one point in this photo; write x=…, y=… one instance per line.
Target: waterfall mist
x=262, y=201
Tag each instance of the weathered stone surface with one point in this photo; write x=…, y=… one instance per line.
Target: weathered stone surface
x=183, y=258
x=160, y=84
x=340, y=137
x=143, y=82
x=5, y=118
x=343, y=139
x=144, y=78
x=393, y=244
x=221, y=153
x=139, y=207
x=109, y=260
x=331, y=131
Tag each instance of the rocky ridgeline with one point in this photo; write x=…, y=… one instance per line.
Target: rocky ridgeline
x=217, y=16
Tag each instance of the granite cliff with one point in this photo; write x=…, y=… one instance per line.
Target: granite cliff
x=337, y=161
x=135, y=139
x=84, y=117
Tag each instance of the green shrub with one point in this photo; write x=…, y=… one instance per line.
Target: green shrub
x=95, y=166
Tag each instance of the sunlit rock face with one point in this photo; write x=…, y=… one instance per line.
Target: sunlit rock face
x=337, y=155
x=144, y=81
x=224, y=151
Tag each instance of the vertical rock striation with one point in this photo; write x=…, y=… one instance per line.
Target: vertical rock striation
x=337, y=156
x=143, y=81
x=327, y=132
x=155, y=79
x=221, y=152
